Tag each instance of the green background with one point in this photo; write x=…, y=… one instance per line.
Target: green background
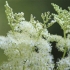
x=35, y=7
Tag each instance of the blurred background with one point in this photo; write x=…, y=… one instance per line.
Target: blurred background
x=35, y=7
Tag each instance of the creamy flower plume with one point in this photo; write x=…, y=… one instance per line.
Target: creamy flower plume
x=24, y=45
x=28, y=43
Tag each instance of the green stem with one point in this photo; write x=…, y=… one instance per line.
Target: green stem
x=65, y=46
x=64, y=52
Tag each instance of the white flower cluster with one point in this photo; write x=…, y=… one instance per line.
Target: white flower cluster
x=28, y=46
x=24, y=45
x=64, y=64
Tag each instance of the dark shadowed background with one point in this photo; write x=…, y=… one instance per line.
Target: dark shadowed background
x=35, y=7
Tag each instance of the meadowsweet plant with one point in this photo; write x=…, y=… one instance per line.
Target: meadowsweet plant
x=28, y=43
